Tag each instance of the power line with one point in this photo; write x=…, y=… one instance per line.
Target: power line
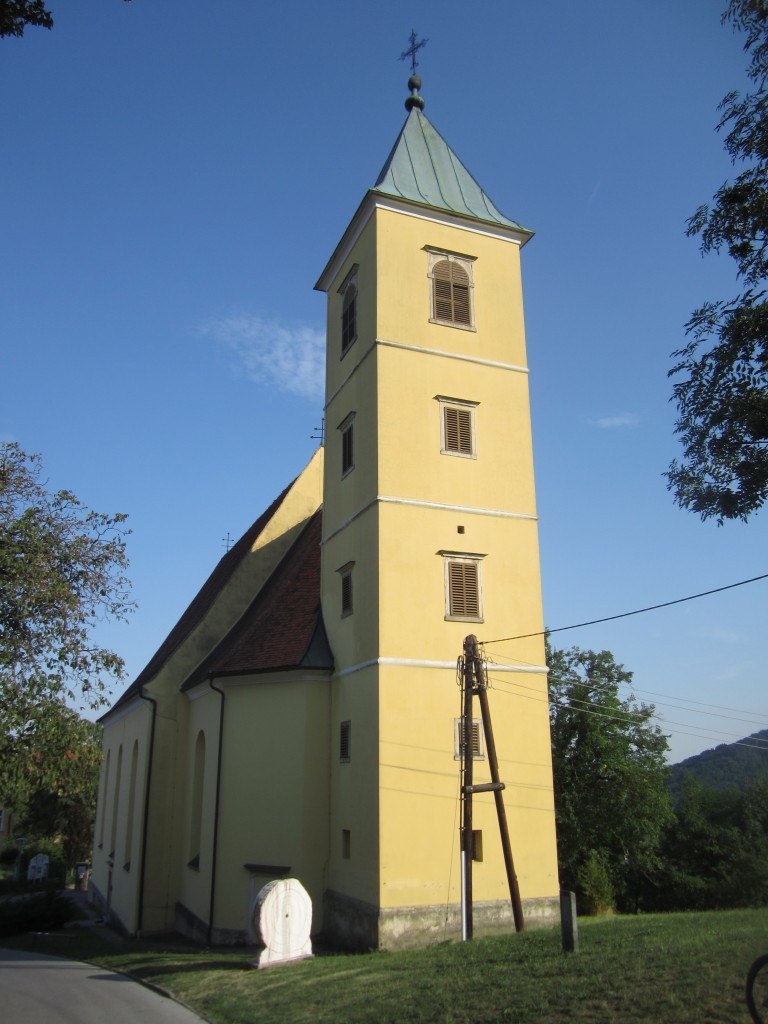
x=624, y=615
x=681, y=703
x=680, y=728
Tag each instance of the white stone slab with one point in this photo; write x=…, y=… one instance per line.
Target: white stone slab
x=282, y=917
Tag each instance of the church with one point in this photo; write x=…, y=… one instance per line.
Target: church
x=301, y=719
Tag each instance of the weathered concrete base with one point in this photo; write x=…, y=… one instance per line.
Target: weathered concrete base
x=354, y=924
x=194, y=928
x=97, y=899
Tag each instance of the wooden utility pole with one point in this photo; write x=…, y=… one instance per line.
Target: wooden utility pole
x=474, y=682
x=467, y=838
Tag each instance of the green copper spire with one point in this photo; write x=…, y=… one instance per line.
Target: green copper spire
x=422, y=168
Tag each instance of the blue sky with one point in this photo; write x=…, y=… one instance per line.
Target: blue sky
x=175, y=175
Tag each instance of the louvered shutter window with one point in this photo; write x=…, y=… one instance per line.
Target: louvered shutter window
x=349, y=318
x=458, y=430
x=464, y=590
x=346, y=593
x=451, y=292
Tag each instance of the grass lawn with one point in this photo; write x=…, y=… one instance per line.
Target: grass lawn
x=656, y=969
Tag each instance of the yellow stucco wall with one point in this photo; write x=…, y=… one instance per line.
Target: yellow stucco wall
x=274, y=790
x=404, y=505
x=117, y=848
x=167, y=877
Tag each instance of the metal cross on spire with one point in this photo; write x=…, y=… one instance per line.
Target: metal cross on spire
x=412, y=50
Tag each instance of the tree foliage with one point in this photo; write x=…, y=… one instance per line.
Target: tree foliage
x=62, y=571
x=722, y=387
x=715, y=851
x=16, y=15
x=611, y=802
x=56, y=786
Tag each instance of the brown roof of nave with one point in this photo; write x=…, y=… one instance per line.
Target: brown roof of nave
x=282, y=628
x=203, y=600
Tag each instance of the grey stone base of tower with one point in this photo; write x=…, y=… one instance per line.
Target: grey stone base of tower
x=354, y=924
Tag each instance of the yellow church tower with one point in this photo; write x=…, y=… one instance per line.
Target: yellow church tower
x=429, y=534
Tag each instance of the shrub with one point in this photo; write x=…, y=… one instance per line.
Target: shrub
x=594, y=892
x=43, y=911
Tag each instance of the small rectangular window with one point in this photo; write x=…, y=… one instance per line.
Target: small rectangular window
x=345, y=742
x=347, y=595
x=346, y=843
x=347, y=430
x=463, y=590
x=478, y=748
x=457, y=426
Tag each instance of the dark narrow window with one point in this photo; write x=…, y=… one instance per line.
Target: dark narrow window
x=349, y=316
x=347, y=595
x=345, y=742
x=347, y=430
x=104, y=798
x=131, y=805
x=196, y=817
x=116, y=802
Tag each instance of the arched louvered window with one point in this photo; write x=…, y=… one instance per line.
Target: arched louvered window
x=451, y=290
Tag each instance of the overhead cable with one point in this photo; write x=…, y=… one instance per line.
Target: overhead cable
x=624, y=615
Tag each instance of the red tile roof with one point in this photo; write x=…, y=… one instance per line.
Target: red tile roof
x=283, y=628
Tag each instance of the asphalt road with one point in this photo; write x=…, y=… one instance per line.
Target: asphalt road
x=37, y=989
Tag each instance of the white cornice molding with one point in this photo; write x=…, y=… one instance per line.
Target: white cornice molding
x=378, y=201
x=450, y=219
x=467, y=510
x=461, y=356
x=442, y=665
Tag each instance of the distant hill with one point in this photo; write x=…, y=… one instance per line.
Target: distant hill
x=728, y=766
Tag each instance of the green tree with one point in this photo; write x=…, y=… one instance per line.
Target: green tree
x=611, y=800
x=15, y=15
x=62, y=571
x=722, y=387
x=57, y=795
x=715, y=851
